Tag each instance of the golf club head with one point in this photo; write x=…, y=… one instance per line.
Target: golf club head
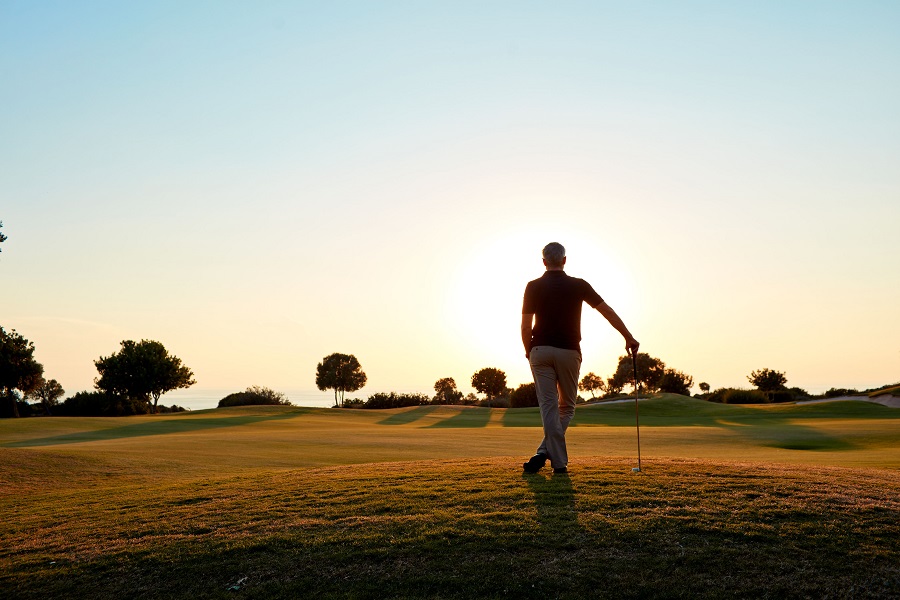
x=636, y=470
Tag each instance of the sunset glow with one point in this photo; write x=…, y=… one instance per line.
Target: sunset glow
x=259, y=186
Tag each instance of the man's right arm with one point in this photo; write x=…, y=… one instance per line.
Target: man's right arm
x=631, y=344
x=527, y=321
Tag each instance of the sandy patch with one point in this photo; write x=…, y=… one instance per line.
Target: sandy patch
x=884, y=399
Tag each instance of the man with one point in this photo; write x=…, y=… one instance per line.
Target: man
x=551, y=333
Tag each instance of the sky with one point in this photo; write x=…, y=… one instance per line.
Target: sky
x=257, y=185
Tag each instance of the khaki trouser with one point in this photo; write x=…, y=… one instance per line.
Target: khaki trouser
x=555, y=373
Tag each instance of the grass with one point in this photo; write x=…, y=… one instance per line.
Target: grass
x=280, y=502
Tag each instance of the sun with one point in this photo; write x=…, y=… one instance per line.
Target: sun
x=486, y=305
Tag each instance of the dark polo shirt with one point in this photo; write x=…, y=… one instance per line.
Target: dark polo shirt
x=555, y=300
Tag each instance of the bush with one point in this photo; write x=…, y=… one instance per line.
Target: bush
x=799, y=393
x=395, y=400
x=738, y=396
x=170, y=409
x=498, y=402
x=838, y=392
x=101, y=404
x=353, y=403
x=780, y=396
x=523, y=396
x=255, y=395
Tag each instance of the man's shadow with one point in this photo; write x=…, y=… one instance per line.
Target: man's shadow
x=554, y=498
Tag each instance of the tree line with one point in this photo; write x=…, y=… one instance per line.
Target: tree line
x=130, y=381
x=133, y=379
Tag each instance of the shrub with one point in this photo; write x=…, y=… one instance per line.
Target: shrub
x=523, y=396
x=353, y=403
x=838, y=392
x=101, y=404
x=779, y=396
x=395, y=400
x=255, y=395
x=738, y=396
x=498, y=402
x=799, y=393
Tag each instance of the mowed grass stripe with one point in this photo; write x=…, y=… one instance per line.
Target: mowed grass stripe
x=462, y=529
x=189, y=445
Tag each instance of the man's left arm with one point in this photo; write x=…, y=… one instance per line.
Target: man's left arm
x=527, y=322
x=631, y=344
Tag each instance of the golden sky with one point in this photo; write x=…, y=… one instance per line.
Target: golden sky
x=258, y=187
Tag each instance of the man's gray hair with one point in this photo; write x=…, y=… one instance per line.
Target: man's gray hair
x=554, y=253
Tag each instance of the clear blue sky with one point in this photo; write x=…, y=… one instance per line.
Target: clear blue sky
x=257, y=185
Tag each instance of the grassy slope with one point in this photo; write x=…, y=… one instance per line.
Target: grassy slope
x=318, y=503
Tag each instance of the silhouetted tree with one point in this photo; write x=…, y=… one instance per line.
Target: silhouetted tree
x=767, y=380
x=676, y=382
x=19, y=372
x=48, y=393
x=341, y=373
x=3, y=238
x=142, y=371
x=592, y=382
x=446, y=392
x=704, y=387
x=523, y=396
x=614, y=386
x=649, y=371
x=489, y=381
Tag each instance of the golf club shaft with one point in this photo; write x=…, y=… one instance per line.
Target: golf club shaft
x=637, y=420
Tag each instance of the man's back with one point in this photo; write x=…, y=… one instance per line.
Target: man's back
x=555, y=300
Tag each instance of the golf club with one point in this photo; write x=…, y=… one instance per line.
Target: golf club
x=637, y=420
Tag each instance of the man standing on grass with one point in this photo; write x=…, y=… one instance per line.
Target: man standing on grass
x=551, y=333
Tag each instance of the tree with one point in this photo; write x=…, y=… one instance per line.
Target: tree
x=19, y=372
x=704, y=387
x=524, y=396
x=47, y=393
x=489, y=381
x=142, y=371
x=3, y=238
x=592, y=382
x=649, y=369
x=341, y=373
x=613, y=386
x=446, y=392
x=767, y=380
x=676, y=382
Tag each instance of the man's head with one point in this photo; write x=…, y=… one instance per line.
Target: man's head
x=554, y=255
